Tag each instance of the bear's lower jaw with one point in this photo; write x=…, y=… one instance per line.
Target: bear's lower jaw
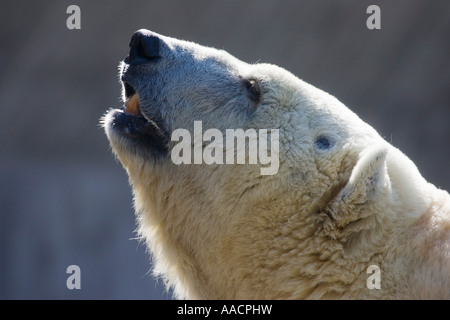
x=136, y=133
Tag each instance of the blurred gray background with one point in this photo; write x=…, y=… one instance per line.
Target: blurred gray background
x=65, y=200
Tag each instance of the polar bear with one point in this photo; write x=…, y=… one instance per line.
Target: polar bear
x=345, y=216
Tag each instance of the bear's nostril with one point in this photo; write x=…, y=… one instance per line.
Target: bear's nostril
x=144, y=47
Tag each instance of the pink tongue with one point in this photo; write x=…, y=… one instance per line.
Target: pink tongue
x=132, y=106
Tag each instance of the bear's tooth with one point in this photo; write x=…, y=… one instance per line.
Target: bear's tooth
x=132, y=105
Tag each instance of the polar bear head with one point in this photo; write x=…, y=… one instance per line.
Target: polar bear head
x=336, y=202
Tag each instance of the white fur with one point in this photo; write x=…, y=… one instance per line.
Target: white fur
x=308, y=232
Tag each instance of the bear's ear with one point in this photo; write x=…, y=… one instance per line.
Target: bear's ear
x=367, y=178
x=358, y=198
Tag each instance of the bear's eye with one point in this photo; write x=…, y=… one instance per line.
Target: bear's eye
x=323, y=143
x=253, y=89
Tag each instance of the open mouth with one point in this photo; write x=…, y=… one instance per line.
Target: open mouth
x=141, y=130
x=131, y=105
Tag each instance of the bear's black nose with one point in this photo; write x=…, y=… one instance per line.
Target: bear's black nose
x=144, y=47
